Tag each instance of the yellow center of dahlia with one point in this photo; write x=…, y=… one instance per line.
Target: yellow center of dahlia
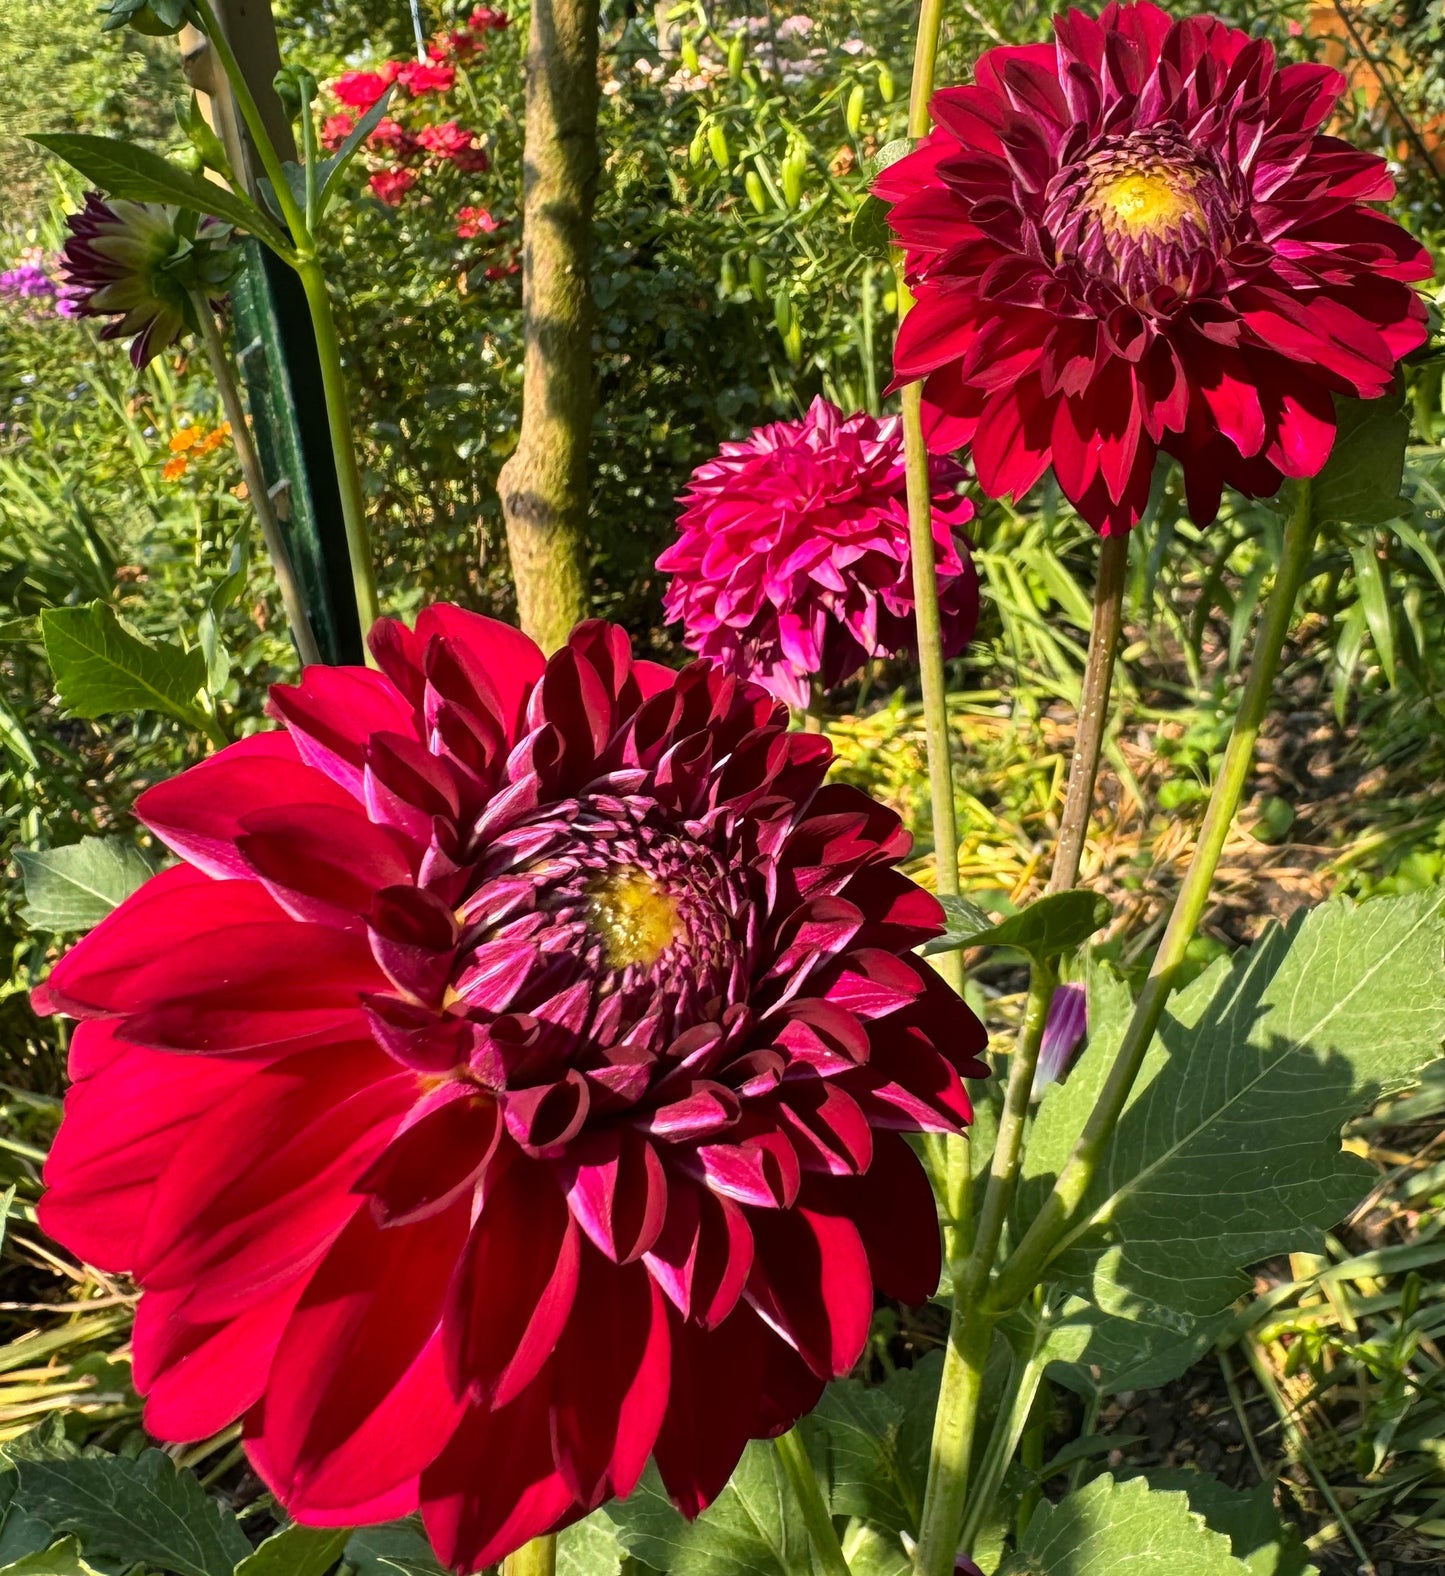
x=1143, y=203
x=635, y=917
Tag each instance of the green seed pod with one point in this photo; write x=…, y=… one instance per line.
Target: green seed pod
x=793, y=344
x=689, y=57
x=728, y=275
x=792, y=173
x=189, y=159
x=756, y=195
x=697, y=148
x=783, y=310
x=757, y=279
x=885, y=83
x=737, y=50
x=853, y=115
x=717, y=140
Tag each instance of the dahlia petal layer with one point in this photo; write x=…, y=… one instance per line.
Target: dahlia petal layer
x=1137, y=240
x=507, y=1084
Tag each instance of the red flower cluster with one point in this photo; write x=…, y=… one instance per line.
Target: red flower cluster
x=424, y=76
x=485, y=20
x=455, y=144
x=390, y=186
x=792, y=560
x=1137, y=238
x=508, y=1084
x=472, y=222
x=359, y=90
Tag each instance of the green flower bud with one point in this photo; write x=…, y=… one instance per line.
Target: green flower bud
x=853, y=114
x=757, y=279
x=689, y=57
x=885, y=83
x=783, y=310
x=736, y=52
x=717, y=140
x=756, y=195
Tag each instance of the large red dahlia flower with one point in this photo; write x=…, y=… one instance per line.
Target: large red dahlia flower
x=1136, y=238
x=507, y=1084
x=792, y=560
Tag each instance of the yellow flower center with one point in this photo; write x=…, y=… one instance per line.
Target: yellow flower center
x=1145, y=203
x=635, y=917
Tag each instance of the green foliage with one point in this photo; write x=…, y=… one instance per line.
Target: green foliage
x=1045, y=930
x=1250, y=1521
x=1360, y=484
x=101, y=666
x=399, y=1548
x=1108, y=1526
x=61, y=1559
x=589, y=1548
x=297, y=1551
x=1229, y=1148
x=71, y=889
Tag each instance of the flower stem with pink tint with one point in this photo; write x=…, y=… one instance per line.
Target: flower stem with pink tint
x=291, y=598
x=1093, y=711
x=1059, y=1216
x=822, y=1534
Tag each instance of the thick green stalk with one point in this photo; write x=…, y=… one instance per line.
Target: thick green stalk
x=1093, y=710
x=1008, y=1429
x=822, y=1534
x=343, y=449
x=971, y=1326
x=1059, y=1215
x=291, y=597
x=537, y=1558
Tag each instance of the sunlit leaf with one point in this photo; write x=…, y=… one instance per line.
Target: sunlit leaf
x=72, y=888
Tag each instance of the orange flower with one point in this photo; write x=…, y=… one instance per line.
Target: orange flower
x=214, y=440
x=186, y=438
x=175, y=467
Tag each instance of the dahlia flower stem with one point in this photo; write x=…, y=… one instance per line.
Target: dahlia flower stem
x=822, y=1534
x=970, y=1328
x=1060, y=1214
x=537, y=1558
x=925, y=64
x=343, y=448
x=1093, y=710
x=1008, y=1429
x=291, y=597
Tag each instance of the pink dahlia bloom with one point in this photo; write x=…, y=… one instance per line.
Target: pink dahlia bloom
x=1136, y=238
x=508, y=1084
x=792, y=558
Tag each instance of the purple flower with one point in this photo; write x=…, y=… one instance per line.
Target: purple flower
x=27, y=282
x=1064, y=1032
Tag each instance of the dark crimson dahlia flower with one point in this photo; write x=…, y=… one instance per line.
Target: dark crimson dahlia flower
x=1137, y=238
x=508, y=1084
x=792, y=560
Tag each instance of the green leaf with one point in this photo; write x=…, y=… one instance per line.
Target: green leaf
x=142, y=1512
x=62, y=1559
x=1108, y=1527
x=589, y=1548
x=102, y=666
x=330, y=172
x=753, y=1528
x=121, y=169
x=1370, y=583
x=889, y=153
x=868, y=229
x=73, y=888
x=297, y=1551
x=202, y=137
x=869, y=1552
x=1095, y=1353
x=875, y=1440
x=1250, y=1521
x=1229, y=1150
x=398, y=1546
x=1046, y=929
x=1360, y=482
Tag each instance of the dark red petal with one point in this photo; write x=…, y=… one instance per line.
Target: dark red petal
x=438, y=1153
x=617, y=1192
x=332, y=713
x=810, y=1281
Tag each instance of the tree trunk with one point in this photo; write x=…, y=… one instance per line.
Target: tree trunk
x=544, y=485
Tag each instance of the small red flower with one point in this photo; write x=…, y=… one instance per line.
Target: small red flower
x=394, y=137
x=508, y=1084
x=359, y=90
x=335, y=129
x=421, y=76
x=390, y=186
x=1138, y=238
x=485, y=19
x=455, y=144
x=459, y=44
x=472, y=222
x=792, y=559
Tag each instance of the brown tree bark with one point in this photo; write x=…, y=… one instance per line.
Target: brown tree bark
x=544, y=485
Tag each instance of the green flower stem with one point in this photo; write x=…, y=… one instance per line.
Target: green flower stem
x=822, y=1534
x=537, y=1558
x=1093, y=710
x=925, y=64
x=291, y=597
x=1059, y=1215
x=343, y=450
x=1013, y=1416
x=953, y=1428
x=251, y=114
x=970, y=1326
